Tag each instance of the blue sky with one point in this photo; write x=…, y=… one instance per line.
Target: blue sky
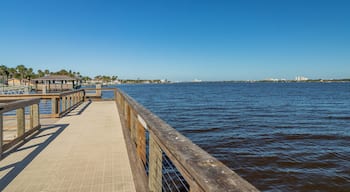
x=179, y=39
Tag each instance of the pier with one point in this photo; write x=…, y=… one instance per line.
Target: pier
x=114, y=144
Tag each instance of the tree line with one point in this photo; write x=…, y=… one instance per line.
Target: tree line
x=105, y=78
x=22, y=72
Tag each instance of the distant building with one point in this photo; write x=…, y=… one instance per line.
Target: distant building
x=275, y=80
x=271, y=79
x=301, y=78
x=56, y=83
x=18, y=82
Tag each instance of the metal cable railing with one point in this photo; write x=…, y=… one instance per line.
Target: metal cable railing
x=173, y=181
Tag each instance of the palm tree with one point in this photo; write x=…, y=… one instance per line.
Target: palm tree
x=41, y=73
x=29, y=73
x=21, y=69
x=4, y=72
x=62, y=72
x=12, y=72
x=114, y=78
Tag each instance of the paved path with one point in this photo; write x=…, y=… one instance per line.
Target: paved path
x=80, y=152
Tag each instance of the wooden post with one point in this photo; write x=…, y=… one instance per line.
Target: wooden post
x=20, y=121
x=119, y=99
x=128, y=117
x=83, y=96
x=125, y=113
x=31, y=119
x=155, y=166
x=1, y=133
x=122, y=105
x=59, y=105
x=133, y=126
x=69, y=101
x=132, y=130
x=73, y=99
x=98, y=90
x=36, y=115
x=76, y=98
x=64, y=103
x=141, y=142
x=54, y=106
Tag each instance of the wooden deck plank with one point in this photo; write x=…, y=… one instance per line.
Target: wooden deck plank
x=80, y=152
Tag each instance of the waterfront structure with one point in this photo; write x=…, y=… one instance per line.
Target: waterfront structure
x=19, y=82
x=52, y=83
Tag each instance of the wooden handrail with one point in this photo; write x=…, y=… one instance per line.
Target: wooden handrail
x=102, y=88
x=5, y=107
x=202, y=171
x=97, y=96
x=68, y=100
x=69, y=92
x=19, y=106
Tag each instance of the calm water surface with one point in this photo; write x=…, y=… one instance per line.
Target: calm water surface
x=278, y=136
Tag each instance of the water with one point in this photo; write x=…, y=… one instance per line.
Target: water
x=278, y=136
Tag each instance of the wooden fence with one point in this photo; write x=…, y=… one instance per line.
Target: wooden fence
x=19, y=107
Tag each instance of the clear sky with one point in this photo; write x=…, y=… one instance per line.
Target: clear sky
x=179, y=39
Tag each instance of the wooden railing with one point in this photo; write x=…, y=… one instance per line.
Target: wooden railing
x=54, y=87
x=61, y=103
x=68, y=100
x=96, y=93
x=19, y=106
x=161, y=148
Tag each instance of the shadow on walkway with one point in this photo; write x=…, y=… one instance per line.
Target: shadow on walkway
x=17, y=167
x=79, y=109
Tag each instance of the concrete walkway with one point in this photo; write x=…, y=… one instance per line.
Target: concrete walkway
x=84, y=151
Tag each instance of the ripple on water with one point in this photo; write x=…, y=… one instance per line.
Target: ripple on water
x=280, y=137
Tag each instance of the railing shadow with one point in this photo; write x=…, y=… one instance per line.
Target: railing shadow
x=79, y=109
x=17, y=167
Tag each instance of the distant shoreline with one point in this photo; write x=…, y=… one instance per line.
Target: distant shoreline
x=270, y=81
x=125, y=82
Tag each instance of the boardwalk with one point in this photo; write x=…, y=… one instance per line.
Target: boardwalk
x=83, y=151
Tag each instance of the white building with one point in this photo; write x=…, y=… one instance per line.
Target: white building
x=301, y=78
